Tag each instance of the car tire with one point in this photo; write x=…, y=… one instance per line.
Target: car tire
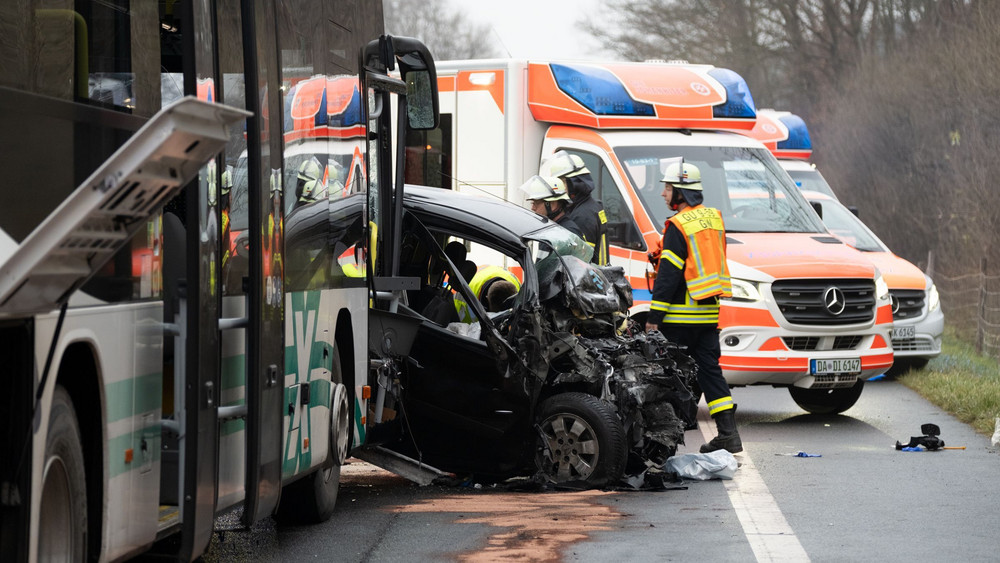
x=827, y=401
x=312, y=499
x=581, y=440
x=63, y=507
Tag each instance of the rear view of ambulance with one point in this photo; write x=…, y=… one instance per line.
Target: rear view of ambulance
x=808, y=312
x=916, y=306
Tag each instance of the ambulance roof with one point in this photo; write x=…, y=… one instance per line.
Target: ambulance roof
x=655, y=95
x=783, y=133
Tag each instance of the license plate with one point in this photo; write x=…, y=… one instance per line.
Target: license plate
x=903, y=332
x=835, y=366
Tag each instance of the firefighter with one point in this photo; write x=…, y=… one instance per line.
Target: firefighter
x=691, y=278
x=586, y=211
x=549, y=198
x=309, y=182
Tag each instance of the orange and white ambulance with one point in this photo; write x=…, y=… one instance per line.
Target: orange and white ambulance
x=916, y=307
x=808, y=312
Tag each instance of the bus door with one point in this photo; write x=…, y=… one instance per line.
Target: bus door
x=265, y=392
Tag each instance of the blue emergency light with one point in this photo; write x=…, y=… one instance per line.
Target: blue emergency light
x=798, y=134
x=599, y=91
x=739, y=101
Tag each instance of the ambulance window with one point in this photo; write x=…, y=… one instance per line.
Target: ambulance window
x=622, y=230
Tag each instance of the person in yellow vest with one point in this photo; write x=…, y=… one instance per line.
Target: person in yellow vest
x=691, y=278
x=492, y=285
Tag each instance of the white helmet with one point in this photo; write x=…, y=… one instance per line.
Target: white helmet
x=565, y=165
x=545, y=188
x=681, y=174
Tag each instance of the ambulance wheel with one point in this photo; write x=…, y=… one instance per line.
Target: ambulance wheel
x=580, y=440
x=312, y=499
x=827, y=401
x=63, y=509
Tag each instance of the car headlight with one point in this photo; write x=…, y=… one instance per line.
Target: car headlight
x=881, y=288
x=933, y=299
x=745, y=291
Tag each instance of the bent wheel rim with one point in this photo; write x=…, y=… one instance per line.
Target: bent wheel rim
x=571, y=449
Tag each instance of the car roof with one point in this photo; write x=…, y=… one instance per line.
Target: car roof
x=487, y=218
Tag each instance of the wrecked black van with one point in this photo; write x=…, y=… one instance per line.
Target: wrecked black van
x=554, y=383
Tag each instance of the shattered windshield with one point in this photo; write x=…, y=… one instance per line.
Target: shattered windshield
x=550, y=243
x=745, y=184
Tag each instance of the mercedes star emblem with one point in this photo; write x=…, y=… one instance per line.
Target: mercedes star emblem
x=894, y=302
x=833, y=299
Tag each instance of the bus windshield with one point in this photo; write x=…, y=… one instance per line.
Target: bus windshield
x=745, y=184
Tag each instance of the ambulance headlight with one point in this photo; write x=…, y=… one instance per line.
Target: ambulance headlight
x=881, y=288
x=933, y=299
x=745, y=291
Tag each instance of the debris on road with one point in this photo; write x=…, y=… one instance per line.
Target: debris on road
x=800, y=454
x=719, y=464
x=929, y=440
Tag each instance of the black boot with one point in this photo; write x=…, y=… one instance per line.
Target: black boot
x=728, y=438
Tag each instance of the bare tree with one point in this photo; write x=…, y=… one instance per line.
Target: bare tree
x=448, y=32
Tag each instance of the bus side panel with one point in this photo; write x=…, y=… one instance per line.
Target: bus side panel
x=128, y=345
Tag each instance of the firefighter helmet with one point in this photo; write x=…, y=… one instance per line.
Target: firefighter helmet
x=545, y=188
x=565, y=165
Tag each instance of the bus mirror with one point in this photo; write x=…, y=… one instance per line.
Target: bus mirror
x=421, y=101
x=416, y=66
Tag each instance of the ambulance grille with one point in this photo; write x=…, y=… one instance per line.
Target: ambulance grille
x=907, y=303
x=805, y=301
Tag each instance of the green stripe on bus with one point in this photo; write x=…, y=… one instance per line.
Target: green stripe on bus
x=132, y=396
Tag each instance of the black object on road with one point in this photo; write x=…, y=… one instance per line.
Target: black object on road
x=929, y=440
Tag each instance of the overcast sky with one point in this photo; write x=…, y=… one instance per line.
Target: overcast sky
x=538, y=28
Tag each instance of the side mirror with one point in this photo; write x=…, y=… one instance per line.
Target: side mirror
x=818, y=207
x=416, y=68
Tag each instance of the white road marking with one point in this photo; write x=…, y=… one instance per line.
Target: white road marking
x=765, y=527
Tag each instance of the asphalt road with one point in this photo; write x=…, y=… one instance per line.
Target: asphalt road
x=861, y=501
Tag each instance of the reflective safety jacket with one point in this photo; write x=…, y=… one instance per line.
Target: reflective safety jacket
x=479, y=285
x=692, y=273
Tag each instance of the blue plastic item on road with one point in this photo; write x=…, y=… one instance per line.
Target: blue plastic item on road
x=804, y=454
x=913, y=449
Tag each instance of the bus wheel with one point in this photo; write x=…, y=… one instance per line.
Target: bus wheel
x=311, y=500
x=63, y=515
x=827, y=401
x=581, y=440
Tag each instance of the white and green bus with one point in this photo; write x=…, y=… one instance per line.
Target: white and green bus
x=193, y=194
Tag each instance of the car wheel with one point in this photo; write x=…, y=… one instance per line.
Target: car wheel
x=63, y=516
x=827, y=401
x=581, y=439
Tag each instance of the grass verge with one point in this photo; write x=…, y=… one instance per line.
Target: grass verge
x=964, y=383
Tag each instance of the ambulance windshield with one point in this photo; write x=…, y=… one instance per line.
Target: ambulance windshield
x=746, y=185
x=812, y=180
